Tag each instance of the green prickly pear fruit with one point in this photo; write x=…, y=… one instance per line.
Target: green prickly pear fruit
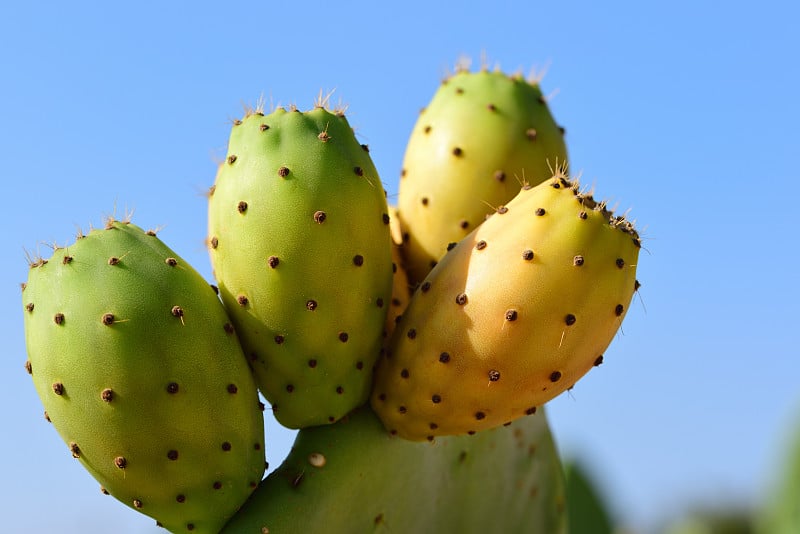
x=141, y=374
x=512, y=316
x=401, y=291
x=301, y=249
x=504, y=480
x=480, y=138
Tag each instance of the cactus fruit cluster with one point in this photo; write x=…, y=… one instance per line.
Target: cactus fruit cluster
x=413, y=346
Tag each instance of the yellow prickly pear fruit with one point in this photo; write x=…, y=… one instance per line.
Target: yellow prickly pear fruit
x=512, y=316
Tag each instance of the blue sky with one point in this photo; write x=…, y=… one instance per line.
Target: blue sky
x=684, y=111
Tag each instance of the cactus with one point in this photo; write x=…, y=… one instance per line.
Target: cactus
x=512, y=316
x=152, y=379
x=482, y=135
x=723, y=521
x=301, y=249
x=353, y=477
x=781, y=515
x=587, y=513
x=141, y=374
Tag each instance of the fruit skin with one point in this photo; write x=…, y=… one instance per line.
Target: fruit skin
x=512, y=316
x=401, y=289
x=480, y=138
x=354, y=477
x=141, y=374
x=301, y=249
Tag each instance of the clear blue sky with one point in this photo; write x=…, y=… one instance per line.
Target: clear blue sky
x=685, y=111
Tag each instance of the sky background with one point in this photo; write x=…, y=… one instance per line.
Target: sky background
x=684, y=111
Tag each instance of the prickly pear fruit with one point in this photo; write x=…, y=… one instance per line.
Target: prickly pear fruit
x=512, y=316
x=141, y=374
x=401, y=291
x=504, y=480
x=301, y=249
x=479, y=138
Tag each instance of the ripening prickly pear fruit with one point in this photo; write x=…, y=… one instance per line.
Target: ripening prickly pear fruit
x=401, y=291
x=512, y=316
x=141, y=374
x=481, y=137
x=301, y=249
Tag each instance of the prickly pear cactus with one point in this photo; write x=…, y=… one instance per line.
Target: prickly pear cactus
x=141, y=373
x=512, y=316
x=587, y=511
x=354, y=477
x=301, y=249
x=480, y=138
x=152, y=378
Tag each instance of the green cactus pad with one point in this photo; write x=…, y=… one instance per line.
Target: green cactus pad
x=479, y=138
x=587, y=511
x=300, y=243
x=512, y=316
x=354, y=477
x=141, y=374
